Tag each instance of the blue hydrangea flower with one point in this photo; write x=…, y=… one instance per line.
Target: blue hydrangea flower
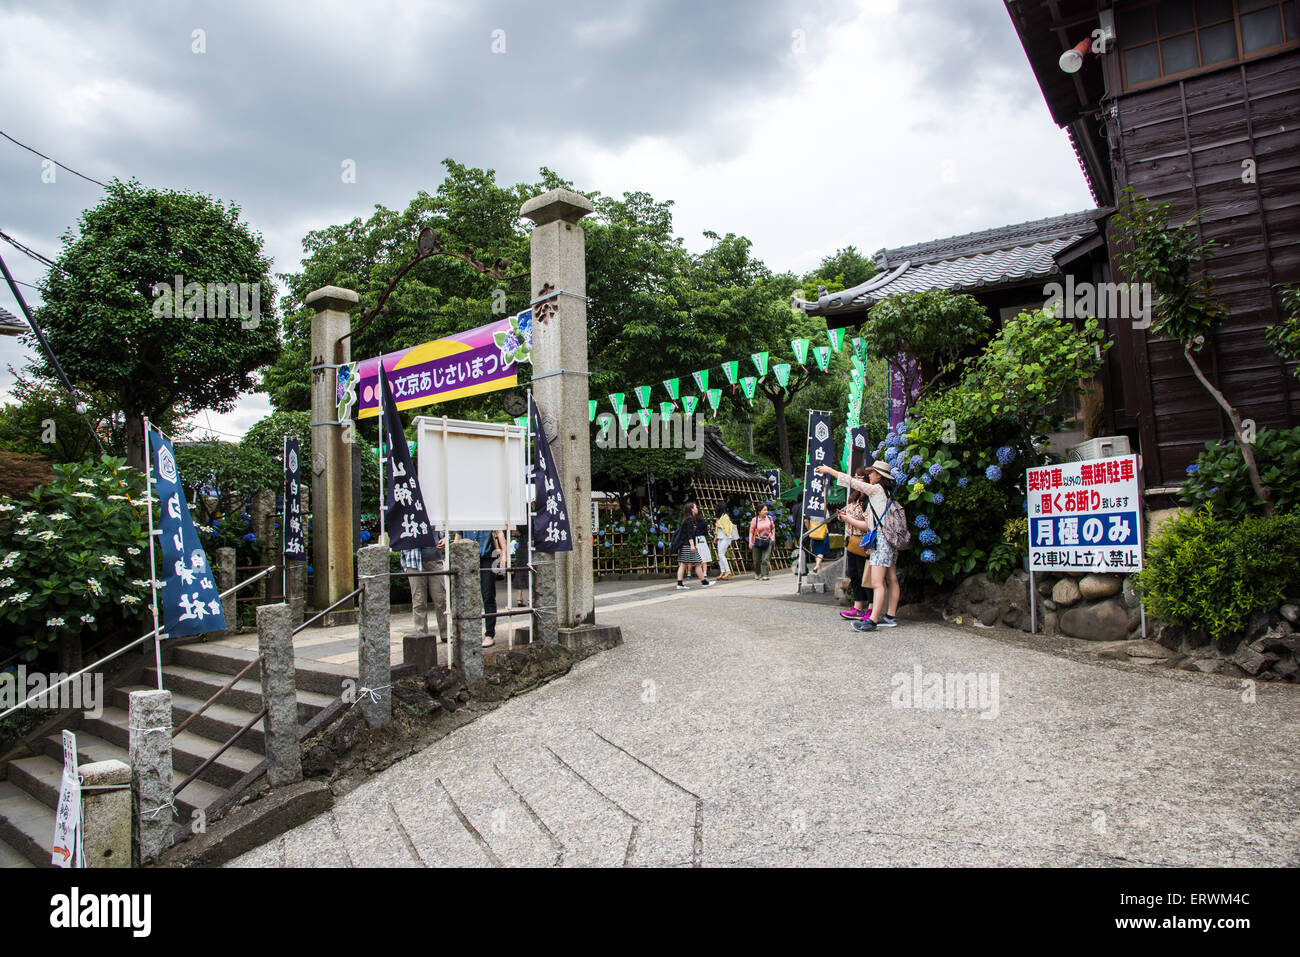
x=365, y=535
x=891, y=456
x=962, y=482
x=250, y=538
x=897, y=474
x=644, y=552
x=914, y=461
x=921, y=521
x=993, y=473
x=215, y=524
x=938, y=498
x=928, y=537
x=936, y=470
x=1214, y=490
x=511, y=342
x=308, y=569
x=1006, y=455
x=892, y=441
x=526, y=327
x=1193, y=467
x=929, y=556
x=926, y=478
x=911, y=480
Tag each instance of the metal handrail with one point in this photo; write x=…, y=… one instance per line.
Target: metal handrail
x=108, y=657
x=229, y=684
x=350, y=595
x=218, y=753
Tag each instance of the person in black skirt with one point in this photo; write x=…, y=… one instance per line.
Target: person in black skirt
x=693, y=525
x=518, y=560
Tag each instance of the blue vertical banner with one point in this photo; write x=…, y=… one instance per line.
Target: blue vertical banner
x=821, y=451
x=551, y=522
x=773, y=477
x=190, y=605
x=295, y=544
x=857, y=448
x=405, y=520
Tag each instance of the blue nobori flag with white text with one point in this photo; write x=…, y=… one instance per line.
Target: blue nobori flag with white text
x=188, y=596
x=295, y=545
x=551, y=523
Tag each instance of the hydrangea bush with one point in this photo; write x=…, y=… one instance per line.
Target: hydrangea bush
x=74, y=556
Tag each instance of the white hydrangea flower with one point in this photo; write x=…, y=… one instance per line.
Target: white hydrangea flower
x=95, y=587
x=47, y=536
x=6, y=507
x=10, y=559
x=83, y=495
x=60, y=517
x=117, y=498
x=129, y=600
x=88, y=619
x=111, y=560
x=6, y=583
x=53, y=622
x=132, y=550
x=24, y=518
x=90, y=482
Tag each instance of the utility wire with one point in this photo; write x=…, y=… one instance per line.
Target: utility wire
x=89, y=179
x=28, y=251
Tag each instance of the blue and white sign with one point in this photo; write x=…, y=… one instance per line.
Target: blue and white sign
x=1085, y=516
x=821, y=451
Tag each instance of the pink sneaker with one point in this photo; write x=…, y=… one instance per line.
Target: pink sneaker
x=853, y=614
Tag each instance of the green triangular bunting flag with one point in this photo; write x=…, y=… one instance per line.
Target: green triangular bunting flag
x=674, y=387
x=836, y=336
x=701, y=379
x=618, y=401
x=800, y=347
x=760, y=363
x=591, y=410
x=715, y=396
x=782, y=370
x=642, y=395
x=689, y=402
x=732, y=370
x=823, y=356
x=748, y=385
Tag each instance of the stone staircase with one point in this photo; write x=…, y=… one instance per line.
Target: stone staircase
x=571, y=799
x=192, y=673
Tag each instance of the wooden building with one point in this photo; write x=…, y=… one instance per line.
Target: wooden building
x=1197, y=103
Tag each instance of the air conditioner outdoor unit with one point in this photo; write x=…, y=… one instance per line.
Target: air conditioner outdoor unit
x=1104, y=447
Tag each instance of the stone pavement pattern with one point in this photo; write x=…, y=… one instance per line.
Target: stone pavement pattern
x=778, y=745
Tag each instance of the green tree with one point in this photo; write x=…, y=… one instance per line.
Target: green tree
x=936, y=328
x=1187, y=307
x=110, y=329
x=1285, y=337
x=844, y=269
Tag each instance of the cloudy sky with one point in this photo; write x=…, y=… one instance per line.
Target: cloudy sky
x=806, y=125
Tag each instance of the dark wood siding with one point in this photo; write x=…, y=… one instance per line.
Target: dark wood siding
x=1185, y=143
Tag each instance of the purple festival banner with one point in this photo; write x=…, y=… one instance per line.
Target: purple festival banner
x=467, y=363
x=899, y=399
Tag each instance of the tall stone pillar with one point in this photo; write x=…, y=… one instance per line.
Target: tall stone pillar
x=558, y=265
x=558, y=262
x=331, y=466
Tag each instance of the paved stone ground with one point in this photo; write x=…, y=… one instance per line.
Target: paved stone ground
x=742, y=725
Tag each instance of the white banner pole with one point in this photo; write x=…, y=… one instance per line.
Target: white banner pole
x=153, y=568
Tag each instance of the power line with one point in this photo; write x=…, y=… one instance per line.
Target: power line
x=28, y=251
x=89, y=179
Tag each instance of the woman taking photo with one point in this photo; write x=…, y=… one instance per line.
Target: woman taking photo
x=853, y=515
x=882, y=575
x=762, y=535
x=692, y=527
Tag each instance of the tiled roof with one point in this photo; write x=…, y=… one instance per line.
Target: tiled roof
x=721, y=462
x=991, y=258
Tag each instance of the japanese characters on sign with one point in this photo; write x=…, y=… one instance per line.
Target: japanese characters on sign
x=551, y=521
x=467, y=363
x=189, y=597
x=405, y=519
x=773, y=477
x=66, y=849
x=857, y=447
x=295, y=545
x=821, y=451
x=1085, y=516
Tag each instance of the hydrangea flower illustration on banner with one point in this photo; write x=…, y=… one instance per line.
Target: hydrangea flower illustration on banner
x=689, y=402
x=823, y=356
x=516, y=343
x=345, y=390
x=782, y=372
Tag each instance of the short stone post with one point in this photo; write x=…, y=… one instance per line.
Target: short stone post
x=544, y=599
x=106, y=814
x=225, y=574
x=374, y=661
x=467, y=609
x=149, y=716
x=279, y=695
x=297, y=577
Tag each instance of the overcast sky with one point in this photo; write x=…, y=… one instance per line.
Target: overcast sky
x=806, y=125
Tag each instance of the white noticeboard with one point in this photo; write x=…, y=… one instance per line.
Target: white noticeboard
x=1085, y=516
x=66, y=849
x=472, y=474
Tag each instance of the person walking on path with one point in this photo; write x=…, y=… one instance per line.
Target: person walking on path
x=429, y=560
x=688, y=557
x=520, y=558
x=818, y=539
x=487, y=579
x=762, y=536
x=725, y=533
x=853, y=515
x=878, y=487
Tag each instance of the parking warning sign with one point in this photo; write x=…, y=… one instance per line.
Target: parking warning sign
x=1085, y=516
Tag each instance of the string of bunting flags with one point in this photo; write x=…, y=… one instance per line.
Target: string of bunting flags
x=747, y=384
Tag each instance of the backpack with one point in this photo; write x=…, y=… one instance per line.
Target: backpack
x=893, y=525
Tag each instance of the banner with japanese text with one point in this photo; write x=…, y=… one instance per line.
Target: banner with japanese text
x=821, y=451
x=295, y=544
x=551, y=521
x=188, y=596
x=1085, y=516
x=467, y=363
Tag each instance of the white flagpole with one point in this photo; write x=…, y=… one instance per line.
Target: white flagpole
x=383, y=515
x=530, y=501
x=284, y=521
x=153, y=570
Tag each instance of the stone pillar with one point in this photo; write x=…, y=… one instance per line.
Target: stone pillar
x=225, y=574
x=331, y=465
x=279, y=695
x=558, y=262
x=297, y=575
x=149, y=716
x=106, y=815
x=374, y=662
x=544, y=598
x=467, y=609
